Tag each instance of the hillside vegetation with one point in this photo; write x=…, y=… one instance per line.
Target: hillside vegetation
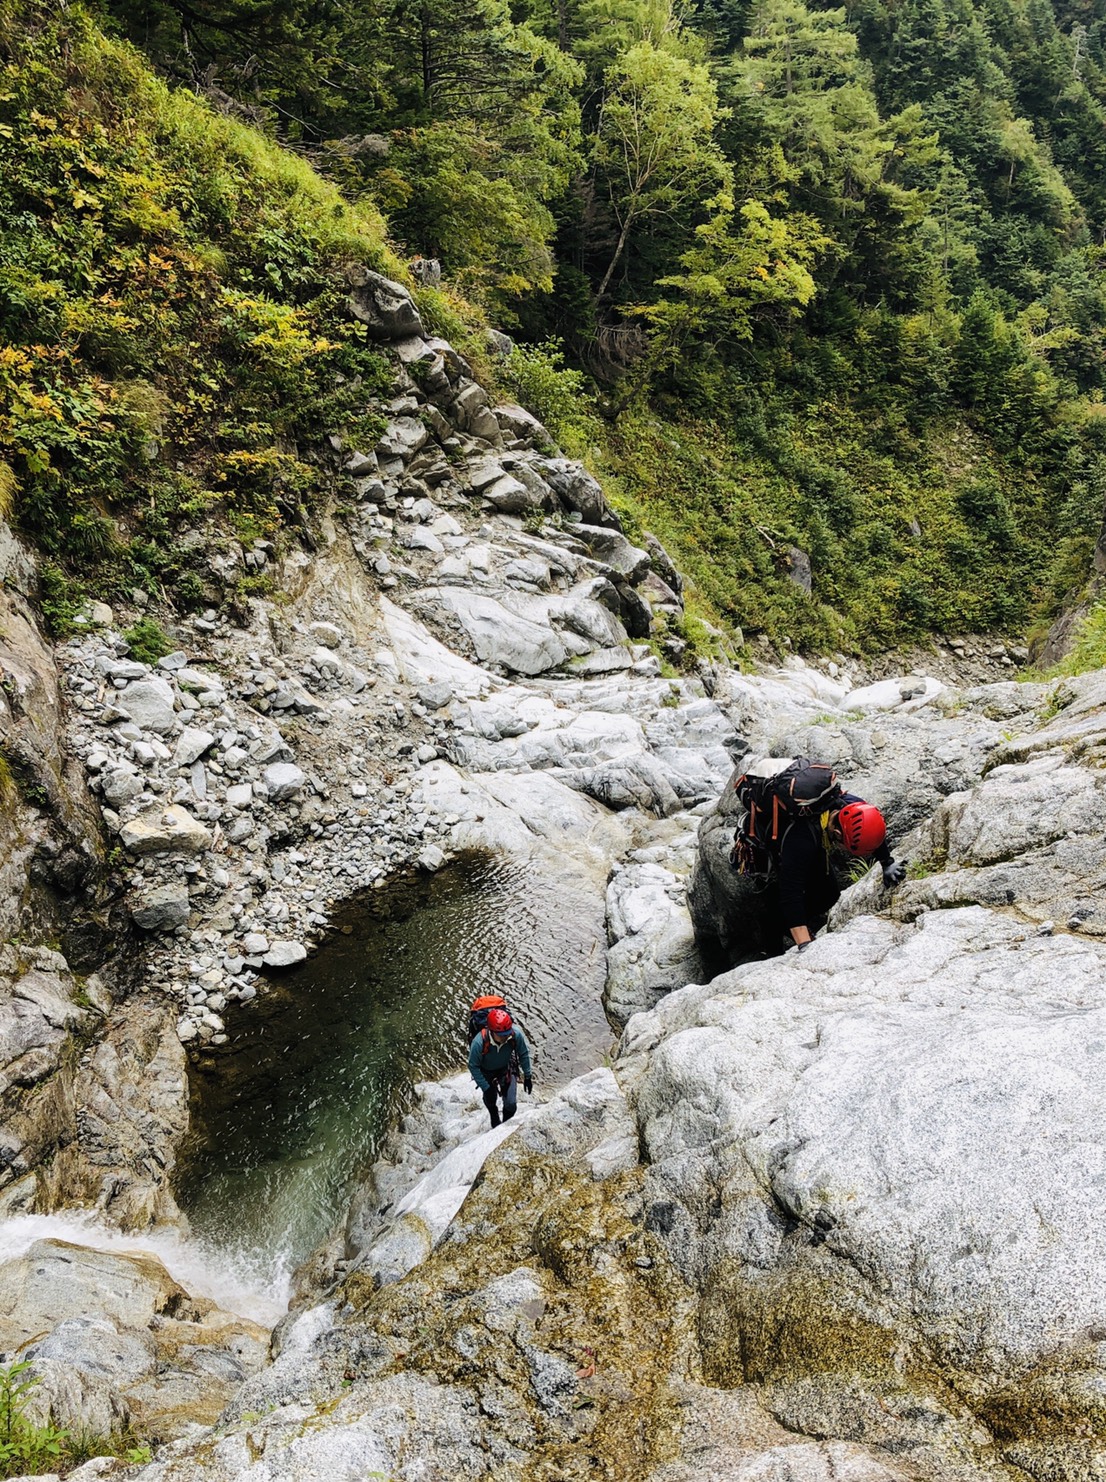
x=797, y=281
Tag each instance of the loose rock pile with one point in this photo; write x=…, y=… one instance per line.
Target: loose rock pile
x=257, y=775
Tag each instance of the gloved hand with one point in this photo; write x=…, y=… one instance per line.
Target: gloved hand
x=528, y=1083
x=893, y=874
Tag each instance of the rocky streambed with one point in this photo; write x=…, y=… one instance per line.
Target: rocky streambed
x=836, y=1220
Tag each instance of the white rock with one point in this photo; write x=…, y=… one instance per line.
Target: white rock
x=328, y=634
x=284, y=954
x=283, y=780
x=149, y=704
x=191, y=745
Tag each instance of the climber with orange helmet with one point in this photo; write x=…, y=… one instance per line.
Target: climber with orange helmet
x=808, y=883
x=497, y=1056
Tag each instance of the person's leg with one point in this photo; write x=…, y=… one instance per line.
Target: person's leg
x=490, y=1103
x=510, y=1097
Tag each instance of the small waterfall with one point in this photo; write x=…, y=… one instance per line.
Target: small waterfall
x=256, y=1287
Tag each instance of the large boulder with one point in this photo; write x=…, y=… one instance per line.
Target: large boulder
x=384, y=307
x=614, y=550
x=1029, y=836
x=149, y=703
x=161, y=907
x=502, y=638
x=115, y=1343
x=132, y=1090
x=882, y=1159
x=578, y=491
x=652, y=943
x=170, y=830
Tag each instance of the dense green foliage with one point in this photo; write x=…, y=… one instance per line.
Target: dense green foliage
x=837, y=274
x=171, y=346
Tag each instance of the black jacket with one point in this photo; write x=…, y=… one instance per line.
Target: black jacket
x=807, y=880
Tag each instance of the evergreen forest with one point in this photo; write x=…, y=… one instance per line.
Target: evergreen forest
x=798, y=281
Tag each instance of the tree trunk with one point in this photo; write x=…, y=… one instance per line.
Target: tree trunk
x=618, y=251
x=426, y=49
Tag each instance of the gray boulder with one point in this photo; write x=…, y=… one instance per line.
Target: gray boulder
x=510, y=495
x=149, y=703
x=283, y=780
x=161, y=908
x=402, y=438
x=470, y=411
x=284, y=954
x=385, y=307
x=502, y=638
x=1028, y=835
x=886, y=1148
x=652, y=942
x=120, y=786
x=170, y=830
x=191, y=745
x=115, y=1341
x=633, y=781
x=614, y=550
x=578, y=491
x=518, y=423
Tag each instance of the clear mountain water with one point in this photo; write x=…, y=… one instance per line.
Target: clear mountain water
x=299, y=1101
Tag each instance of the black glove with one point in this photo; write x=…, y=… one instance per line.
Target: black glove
x=893, y=874
x=528, y=1082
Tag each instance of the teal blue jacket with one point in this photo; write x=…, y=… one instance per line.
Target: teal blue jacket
x=498, y=1057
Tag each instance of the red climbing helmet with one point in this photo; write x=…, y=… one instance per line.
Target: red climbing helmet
x=862, y=828
x=499, y=1021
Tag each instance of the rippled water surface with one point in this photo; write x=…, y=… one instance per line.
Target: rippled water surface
x=299, y=1101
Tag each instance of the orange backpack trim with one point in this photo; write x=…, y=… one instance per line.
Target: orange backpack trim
x=488, y=1001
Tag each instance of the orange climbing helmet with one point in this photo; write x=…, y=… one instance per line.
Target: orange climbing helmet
x=862, y=828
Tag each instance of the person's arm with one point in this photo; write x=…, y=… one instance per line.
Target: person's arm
x=798, y=857
x=523, y=1053
x=476, y=1054
x=883, y=855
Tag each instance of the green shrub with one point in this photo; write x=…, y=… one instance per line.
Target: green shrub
x=148, y=641
x=1089, y=649
x=29, y=1448
x=25, y=1446
x=175, y=339
x=537, y=377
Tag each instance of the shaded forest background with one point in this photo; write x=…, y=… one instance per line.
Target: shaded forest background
x=790, y=277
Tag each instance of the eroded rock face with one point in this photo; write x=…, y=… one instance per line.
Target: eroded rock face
x=149, y=1357
x=94, y=1109
x=801, y=1232
x=652, y=942
x=51, y=859
x=863, y=1159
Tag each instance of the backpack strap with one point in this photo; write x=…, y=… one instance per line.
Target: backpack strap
x=486, y=1041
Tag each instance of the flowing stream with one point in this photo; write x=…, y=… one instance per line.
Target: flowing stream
x=298, y=1103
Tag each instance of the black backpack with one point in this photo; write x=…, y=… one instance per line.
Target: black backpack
x=802, y=789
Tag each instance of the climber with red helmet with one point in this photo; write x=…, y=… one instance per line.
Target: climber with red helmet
x=497, y=1056
x=808, y=883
